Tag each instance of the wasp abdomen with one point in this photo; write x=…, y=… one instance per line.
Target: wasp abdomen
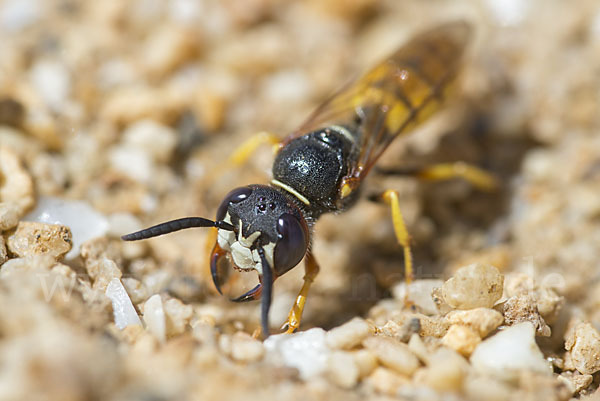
x=312, y=165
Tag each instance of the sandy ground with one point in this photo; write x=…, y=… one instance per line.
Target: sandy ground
x=118, y=115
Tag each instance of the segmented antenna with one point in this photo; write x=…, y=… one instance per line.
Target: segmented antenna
x=176, y=225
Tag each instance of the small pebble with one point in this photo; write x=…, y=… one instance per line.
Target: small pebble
x=418, y=347
x=445, y=371
x=52, y=81
x=154, y=318
x=136, y=290
x=85, y=222
x=10, y=213
x=3, y=252
x=461, y=339
x=342, y=369
x=102, y=272
x=582, y=341
x=123, y=310
x=393, y=354
x=167, y=47
x=419, y=294
x=482, y=320
x=305, y=351
x=244, y=348
x=132, y=162
x=38, y=238
x=348, y=335
x=473, y=286
x=482, y=387
x=178, y=316
x=522, y=308
x=508, y=353
x=365, y=361
x=386, y=381
x=576, y=381
x=16, y=186
x=156, y=140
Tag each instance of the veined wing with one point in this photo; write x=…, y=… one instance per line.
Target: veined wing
x=394, y=96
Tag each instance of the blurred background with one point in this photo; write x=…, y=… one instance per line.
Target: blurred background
x=122, y=112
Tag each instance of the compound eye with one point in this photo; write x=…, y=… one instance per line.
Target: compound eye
x=291, y=244
x=235, y=196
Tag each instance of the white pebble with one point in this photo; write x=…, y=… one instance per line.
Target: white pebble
x=133, y=162
x=16, y=15
x=123, y=310
x=305, y=351
x=154, y=317
x=85, y=222
x=510, y=352
x=52, y=81
x=419, y=293
x=156, y=140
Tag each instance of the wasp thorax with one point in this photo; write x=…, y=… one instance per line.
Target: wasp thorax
x=264, y=217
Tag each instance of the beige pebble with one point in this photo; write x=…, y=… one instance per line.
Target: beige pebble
x=211, y=108
x=487, y=388
x=342, y=369
x=102, y=272
x=349, y=334
x=461, y=339
x=178, y=316
x=42, y=125
x=126, y=105
x=136, y=290
x=418, y=347
x=156, y=140
x=3, y=252
x=473, y=286
x=549, y=304
x=582, y=341
x=445, y=371
x=482, y=320
x=386, y=381
x=437, y=297
x=32, y=238
x=16, y=185
x=401, y=332
x=575, y=381
x=244, y=348
x=393, y=354
x=167, y=47
x=523, y=308
x=366, y=362
x=10, y=214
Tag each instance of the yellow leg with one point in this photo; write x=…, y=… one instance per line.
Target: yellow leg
x=246, y=149
x=311, y=270
x=390, y=197
x=477, y=177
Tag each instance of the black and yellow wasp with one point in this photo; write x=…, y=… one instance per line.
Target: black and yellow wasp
x=319, y=168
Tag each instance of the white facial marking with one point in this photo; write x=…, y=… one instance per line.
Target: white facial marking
x=243, y=256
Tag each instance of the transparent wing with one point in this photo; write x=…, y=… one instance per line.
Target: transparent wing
x=395, y=96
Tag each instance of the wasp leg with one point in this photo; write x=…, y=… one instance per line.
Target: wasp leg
x=390, y=197
x=477, y=177
x=311, y=269
x=246, y=149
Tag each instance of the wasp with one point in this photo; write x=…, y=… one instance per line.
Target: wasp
x=319, y=168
